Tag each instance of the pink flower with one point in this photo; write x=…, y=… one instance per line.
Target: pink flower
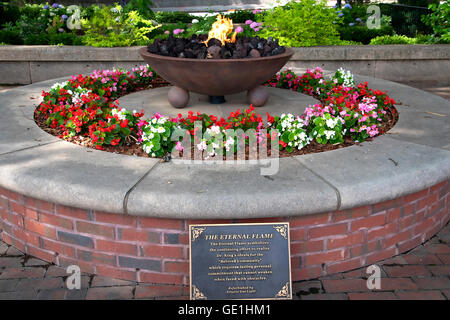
x=239, y=29
x=167, y=32
x=248, y=22
x=256, y=11
x=177, y=31
x=178, y=146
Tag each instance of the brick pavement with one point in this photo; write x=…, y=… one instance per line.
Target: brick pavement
x=422, y=273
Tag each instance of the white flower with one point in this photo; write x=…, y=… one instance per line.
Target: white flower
x=161, y=130
x=194, y=20
x=202, y=145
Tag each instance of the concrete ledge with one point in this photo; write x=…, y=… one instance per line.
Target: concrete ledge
x=29, y=64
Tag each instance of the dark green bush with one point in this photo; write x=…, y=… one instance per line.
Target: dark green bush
x=173, y=17
x=418, y=3
x=240, y=16
x=8, y=13
x=10, y=36
x=363, y=34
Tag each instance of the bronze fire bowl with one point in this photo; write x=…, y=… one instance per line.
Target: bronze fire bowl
x=216, y=77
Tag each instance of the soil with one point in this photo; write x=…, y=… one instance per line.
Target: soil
x=135, y=149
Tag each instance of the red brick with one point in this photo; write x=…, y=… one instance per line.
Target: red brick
x=32, y=214
x=131, y=234
x=297, y=234
x=423, y=260
x=425, y=202
x=440, y=270
x=393, y=214
x=409, y=244
x=408, y=209
x=116, y=219
x=445, y=258
x=382, y=232
x=158, y=291
x=161, y=278
x=97, y=229
x=116, y=273
x=10, y=194
x=344, y=285
x=328, y=230
x=37, y=227
x=343, y=215
x=420, y=295
x=438, y=187
x=406, y=271
x=381, y=255
x=307, y=246
x=116, y=247
x=158, y=223
x=399, y=237
x=371, y=296
x=15, y=219
x=17, y=208
x=389, y=284
x=306, y=273
x=176, y=266
x=344, y=266
x=423, y=226
x=45, y=255
x=369, y=222
x=86, y=267
x=175, y=252
x=309, y=220
x=345, y=241
x=386, y=205
x=319, y=258
x=56, y=221
x=73, y=212
x=97, y=257
x=58, y=248
x=26, y=237
x=415, y=196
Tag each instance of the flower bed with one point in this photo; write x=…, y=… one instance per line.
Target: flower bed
x=85, y=109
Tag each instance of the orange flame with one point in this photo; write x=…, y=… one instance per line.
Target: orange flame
x=221, y=29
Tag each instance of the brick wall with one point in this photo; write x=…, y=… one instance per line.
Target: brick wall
x=156, y=250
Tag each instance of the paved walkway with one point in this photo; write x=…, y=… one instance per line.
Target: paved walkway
x=422, y=273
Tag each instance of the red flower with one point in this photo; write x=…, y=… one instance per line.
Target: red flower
x=124, y=123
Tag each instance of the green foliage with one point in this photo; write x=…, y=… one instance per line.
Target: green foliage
x=399, y=39
x=304, y=23
x=439, y=20
x=111, y=27
x=141, y=6
x=202, y=26
x=418, y=3
x=8, y=12
x=173, y=17
x=363, y=34
x=240, y=16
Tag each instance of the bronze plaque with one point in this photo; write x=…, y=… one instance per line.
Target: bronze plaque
x=240, y=261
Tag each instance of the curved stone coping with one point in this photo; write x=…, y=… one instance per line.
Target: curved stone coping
x=414, y=155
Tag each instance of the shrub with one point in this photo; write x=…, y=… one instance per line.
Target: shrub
x=439, y=21
x=111, y=27
x=240, y=16
x=399, y=39
x=173, y=17
x=363, y=34
x=304, y=23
